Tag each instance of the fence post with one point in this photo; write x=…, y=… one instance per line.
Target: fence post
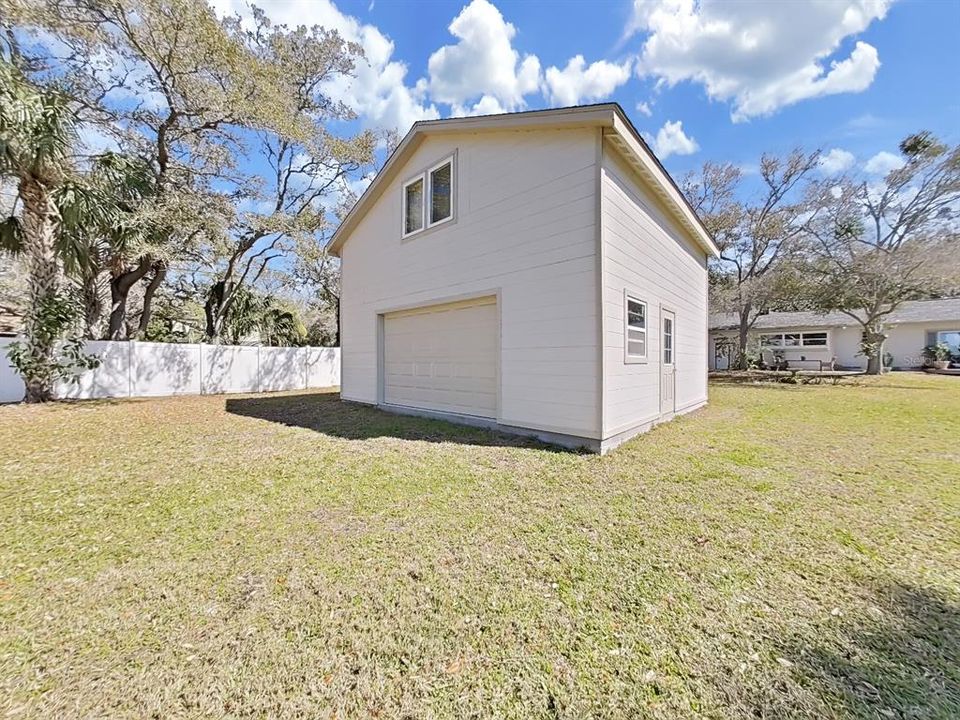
x=200, y=346
x=259, y=383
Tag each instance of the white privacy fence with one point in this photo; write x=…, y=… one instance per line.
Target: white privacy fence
x=145, y=369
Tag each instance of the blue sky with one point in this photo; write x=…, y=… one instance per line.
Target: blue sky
x=708, y=80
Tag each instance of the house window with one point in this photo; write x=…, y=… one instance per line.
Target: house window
x=815, y=339
x=668, y=341
x=792, y=340
x=950, y=338
x=428, y=198
x=413, y=206
x=635, y=330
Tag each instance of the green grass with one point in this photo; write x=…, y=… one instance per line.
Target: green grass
x=787, y=552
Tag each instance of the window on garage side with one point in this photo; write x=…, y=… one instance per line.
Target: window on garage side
x=428, y=198
x=668, y=341
x=441, y=192
x=413, y=206
x=635, y=329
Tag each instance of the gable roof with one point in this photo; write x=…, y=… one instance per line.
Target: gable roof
x=609, y=116
x=944, y=309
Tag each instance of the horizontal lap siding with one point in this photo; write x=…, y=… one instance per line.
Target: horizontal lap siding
x=525, y=227
x=645, y=253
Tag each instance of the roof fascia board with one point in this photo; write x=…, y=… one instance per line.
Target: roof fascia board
x=624, y=128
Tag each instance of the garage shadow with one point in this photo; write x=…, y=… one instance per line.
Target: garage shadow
x=901, y=660
x=326, y=413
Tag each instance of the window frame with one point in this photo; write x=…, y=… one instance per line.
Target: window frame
x=428, y=174
x=403, y=206
x=629, y=358
x=664, y=335
x=425, y=176
x=805, y=344
x=801, y=343
x=938, y=335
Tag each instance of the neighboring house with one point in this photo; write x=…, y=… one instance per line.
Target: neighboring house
x=805, y=339
x=538, y=272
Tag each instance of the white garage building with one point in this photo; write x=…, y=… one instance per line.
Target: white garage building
x=538, y=272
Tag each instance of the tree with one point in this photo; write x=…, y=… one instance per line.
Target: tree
x=879, y=244
x=177, y=88
x=36, y=135
x=759, y=239
x=262, y=317
x=317, y=272
x=306, y=171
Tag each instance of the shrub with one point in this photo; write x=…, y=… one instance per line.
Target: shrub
x=938, y=352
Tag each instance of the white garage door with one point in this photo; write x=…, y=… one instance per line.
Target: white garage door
x=443, y=357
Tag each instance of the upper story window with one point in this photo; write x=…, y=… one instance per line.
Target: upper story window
x=413, y=206
x=635, y=330
x=428, y=198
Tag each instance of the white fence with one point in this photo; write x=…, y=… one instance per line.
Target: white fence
x=145, y=369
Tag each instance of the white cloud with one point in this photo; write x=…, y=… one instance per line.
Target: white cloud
x=883, y=163
x=578, y=82
x=644, y=109
x=483, y=62
x=759, y=56
x=487, y=105
x=836, y=161
x=672, y=140
x=377, y=92
x=482, y=73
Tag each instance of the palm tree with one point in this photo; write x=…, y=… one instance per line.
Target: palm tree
x=103, y=234
x=273, y=324
x=36, y=134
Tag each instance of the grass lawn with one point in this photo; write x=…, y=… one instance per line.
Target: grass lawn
x=787, y=552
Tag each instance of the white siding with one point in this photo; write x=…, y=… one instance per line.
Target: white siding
x=905, y=342
x=645, y=253
x=524, y=229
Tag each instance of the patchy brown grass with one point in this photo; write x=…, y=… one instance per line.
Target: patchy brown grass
x=787, y=552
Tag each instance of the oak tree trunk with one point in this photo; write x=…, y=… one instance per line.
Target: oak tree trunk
x=872, y=344
x=120, y=285
x=160, y=272
x=742, y=362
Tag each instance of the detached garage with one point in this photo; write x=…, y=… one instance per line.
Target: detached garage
x=536, y=272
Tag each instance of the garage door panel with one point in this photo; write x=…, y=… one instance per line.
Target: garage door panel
x=443, y=358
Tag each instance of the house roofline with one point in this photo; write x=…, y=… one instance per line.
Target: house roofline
x=603, y=115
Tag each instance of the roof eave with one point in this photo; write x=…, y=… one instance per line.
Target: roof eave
x=651, y=169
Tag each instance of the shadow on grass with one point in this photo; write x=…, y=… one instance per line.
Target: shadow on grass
x=900, y=660
x=325, y=413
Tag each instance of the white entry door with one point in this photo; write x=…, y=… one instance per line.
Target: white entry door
x=668, y=372
x=443, y=357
